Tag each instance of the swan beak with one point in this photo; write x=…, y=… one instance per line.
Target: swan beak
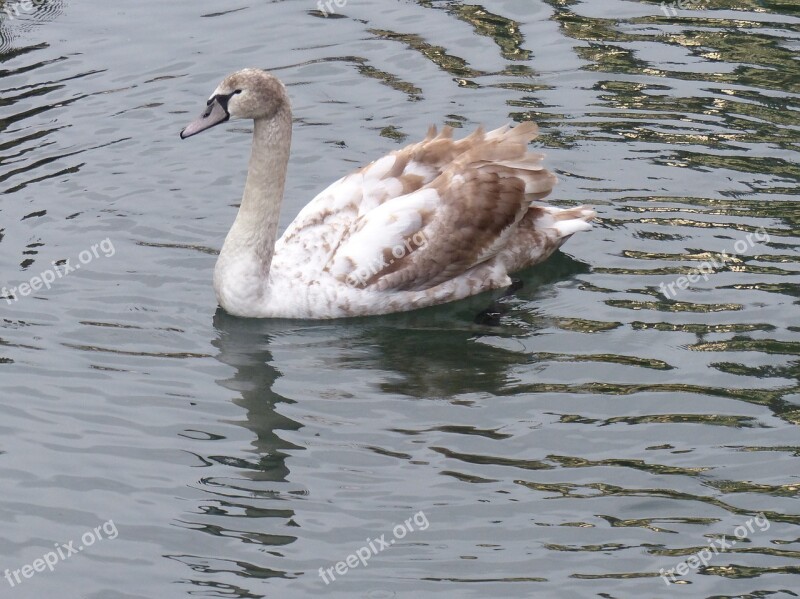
x=215, y=114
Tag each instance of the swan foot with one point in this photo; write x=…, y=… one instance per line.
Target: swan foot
x=491, y=315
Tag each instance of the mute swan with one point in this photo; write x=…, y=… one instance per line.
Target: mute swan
x=434, y=222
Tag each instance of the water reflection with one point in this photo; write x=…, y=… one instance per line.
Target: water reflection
x=258, y=487
x=417, y=355
x=245, y=345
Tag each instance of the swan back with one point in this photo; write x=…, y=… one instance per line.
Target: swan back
x=424, y=214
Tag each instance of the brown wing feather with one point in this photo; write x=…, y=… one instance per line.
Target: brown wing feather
x=484, y=190
x=438, y=151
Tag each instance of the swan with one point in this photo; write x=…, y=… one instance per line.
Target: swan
x=434, y=222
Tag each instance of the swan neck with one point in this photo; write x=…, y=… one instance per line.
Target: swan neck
x=266, y=174
x=256, y=225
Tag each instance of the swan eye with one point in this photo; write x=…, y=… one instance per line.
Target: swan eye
x=222, y=100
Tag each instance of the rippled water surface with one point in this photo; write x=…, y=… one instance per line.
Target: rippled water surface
x=606, y=432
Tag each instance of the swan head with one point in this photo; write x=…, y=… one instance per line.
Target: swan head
x=246, y=94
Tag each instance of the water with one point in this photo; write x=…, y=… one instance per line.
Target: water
x=603, y=433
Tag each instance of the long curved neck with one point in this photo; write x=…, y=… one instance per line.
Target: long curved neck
x=255, y=229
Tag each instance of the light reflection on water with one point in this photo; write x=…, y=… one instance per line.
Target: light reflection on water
x=602, y=433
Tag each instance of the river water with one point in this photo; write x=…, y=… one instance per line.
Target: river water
x=609, y=430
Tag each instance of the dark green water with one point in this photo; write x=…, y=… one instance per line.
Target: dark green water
x=603, y=434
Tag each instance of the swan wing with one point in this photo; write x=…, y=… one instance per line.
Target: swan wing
x=461, y=209
x=325, y=221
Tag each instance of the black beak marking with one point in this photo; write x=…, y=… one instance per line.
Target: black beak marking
x=216, y=112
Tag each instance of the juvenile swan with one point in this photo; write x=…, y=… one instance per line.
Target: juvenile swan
x=434, y=222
